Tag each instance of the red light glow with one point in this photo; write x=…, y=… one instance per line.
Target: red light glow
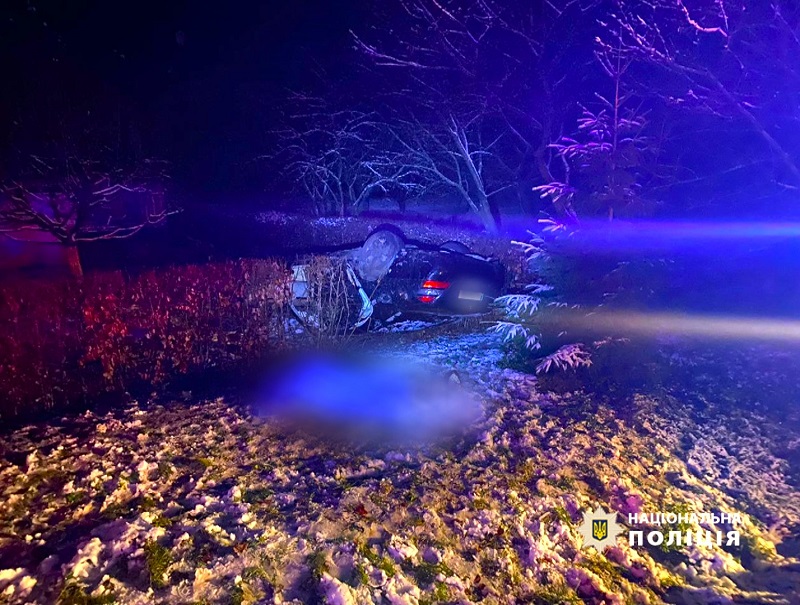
x=435, y=285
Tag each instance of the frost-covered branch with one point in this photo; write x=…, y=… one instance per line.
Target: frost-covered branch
x=70, y=199
x=727, y=60
x=342, y=158
x=571, y=356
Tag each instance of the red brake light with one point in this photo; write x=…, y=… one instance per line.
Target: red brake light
x=435, y=285
x=426, y=299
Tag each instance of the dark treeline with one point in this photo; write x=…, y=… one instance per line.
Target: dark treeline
x=578, y=108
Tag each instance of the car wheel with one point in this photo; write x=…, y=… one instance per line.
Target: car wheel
x=376, y=256
x=454, y=246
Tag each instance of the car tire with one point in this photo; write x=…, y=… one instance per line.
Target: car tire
x=454, y=246
x=377, y=254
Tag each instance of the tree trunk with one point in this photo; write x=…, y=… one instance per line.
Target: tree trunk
x=487, y=217
x=481, y=205
x=74, y=261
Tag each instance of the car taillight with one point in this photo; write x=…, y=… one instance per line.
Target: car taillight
x=431, y=290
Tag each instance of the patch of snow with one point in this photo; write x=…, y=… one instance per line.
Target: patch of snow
x=336, y=592
x=402, y=550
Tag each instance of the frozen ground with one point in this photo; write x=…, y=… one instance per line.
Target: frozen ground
x=200, y=502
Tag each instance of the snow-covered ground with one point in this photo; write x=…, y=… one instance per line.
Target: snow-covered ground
x=202, y=502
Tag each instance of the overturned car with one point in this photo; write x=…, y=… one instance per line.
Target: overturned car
x=388, y=278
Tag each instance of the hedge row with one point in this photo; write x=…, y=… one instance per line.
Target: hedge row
x=63, y=340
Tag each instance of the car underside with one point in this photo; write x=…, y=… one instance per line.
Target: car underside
x=388, y=278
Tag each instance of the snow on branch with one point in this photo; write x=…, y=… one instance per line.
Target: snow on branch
x=570, y=356
x=71, y=200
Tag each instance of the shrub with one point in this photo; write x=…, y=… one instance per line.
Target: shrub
x=546, y=327
x=557, y=326
x=40, y=343
x=64, y=339
x=525, y=336
x=332, y=305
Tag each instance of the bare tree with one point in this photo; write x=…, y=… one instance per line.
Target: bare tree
x=732, y=60
x=459, y=97
x=449, y=61
x=75, y=200
x=460, y=154
x=340, y=157
x=343, y=157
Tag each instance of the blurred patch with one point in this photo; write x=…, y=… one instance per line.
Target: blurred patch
x=374, y=401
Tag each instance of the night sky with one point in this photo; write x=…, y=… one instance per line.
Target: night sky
x=198, y=81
